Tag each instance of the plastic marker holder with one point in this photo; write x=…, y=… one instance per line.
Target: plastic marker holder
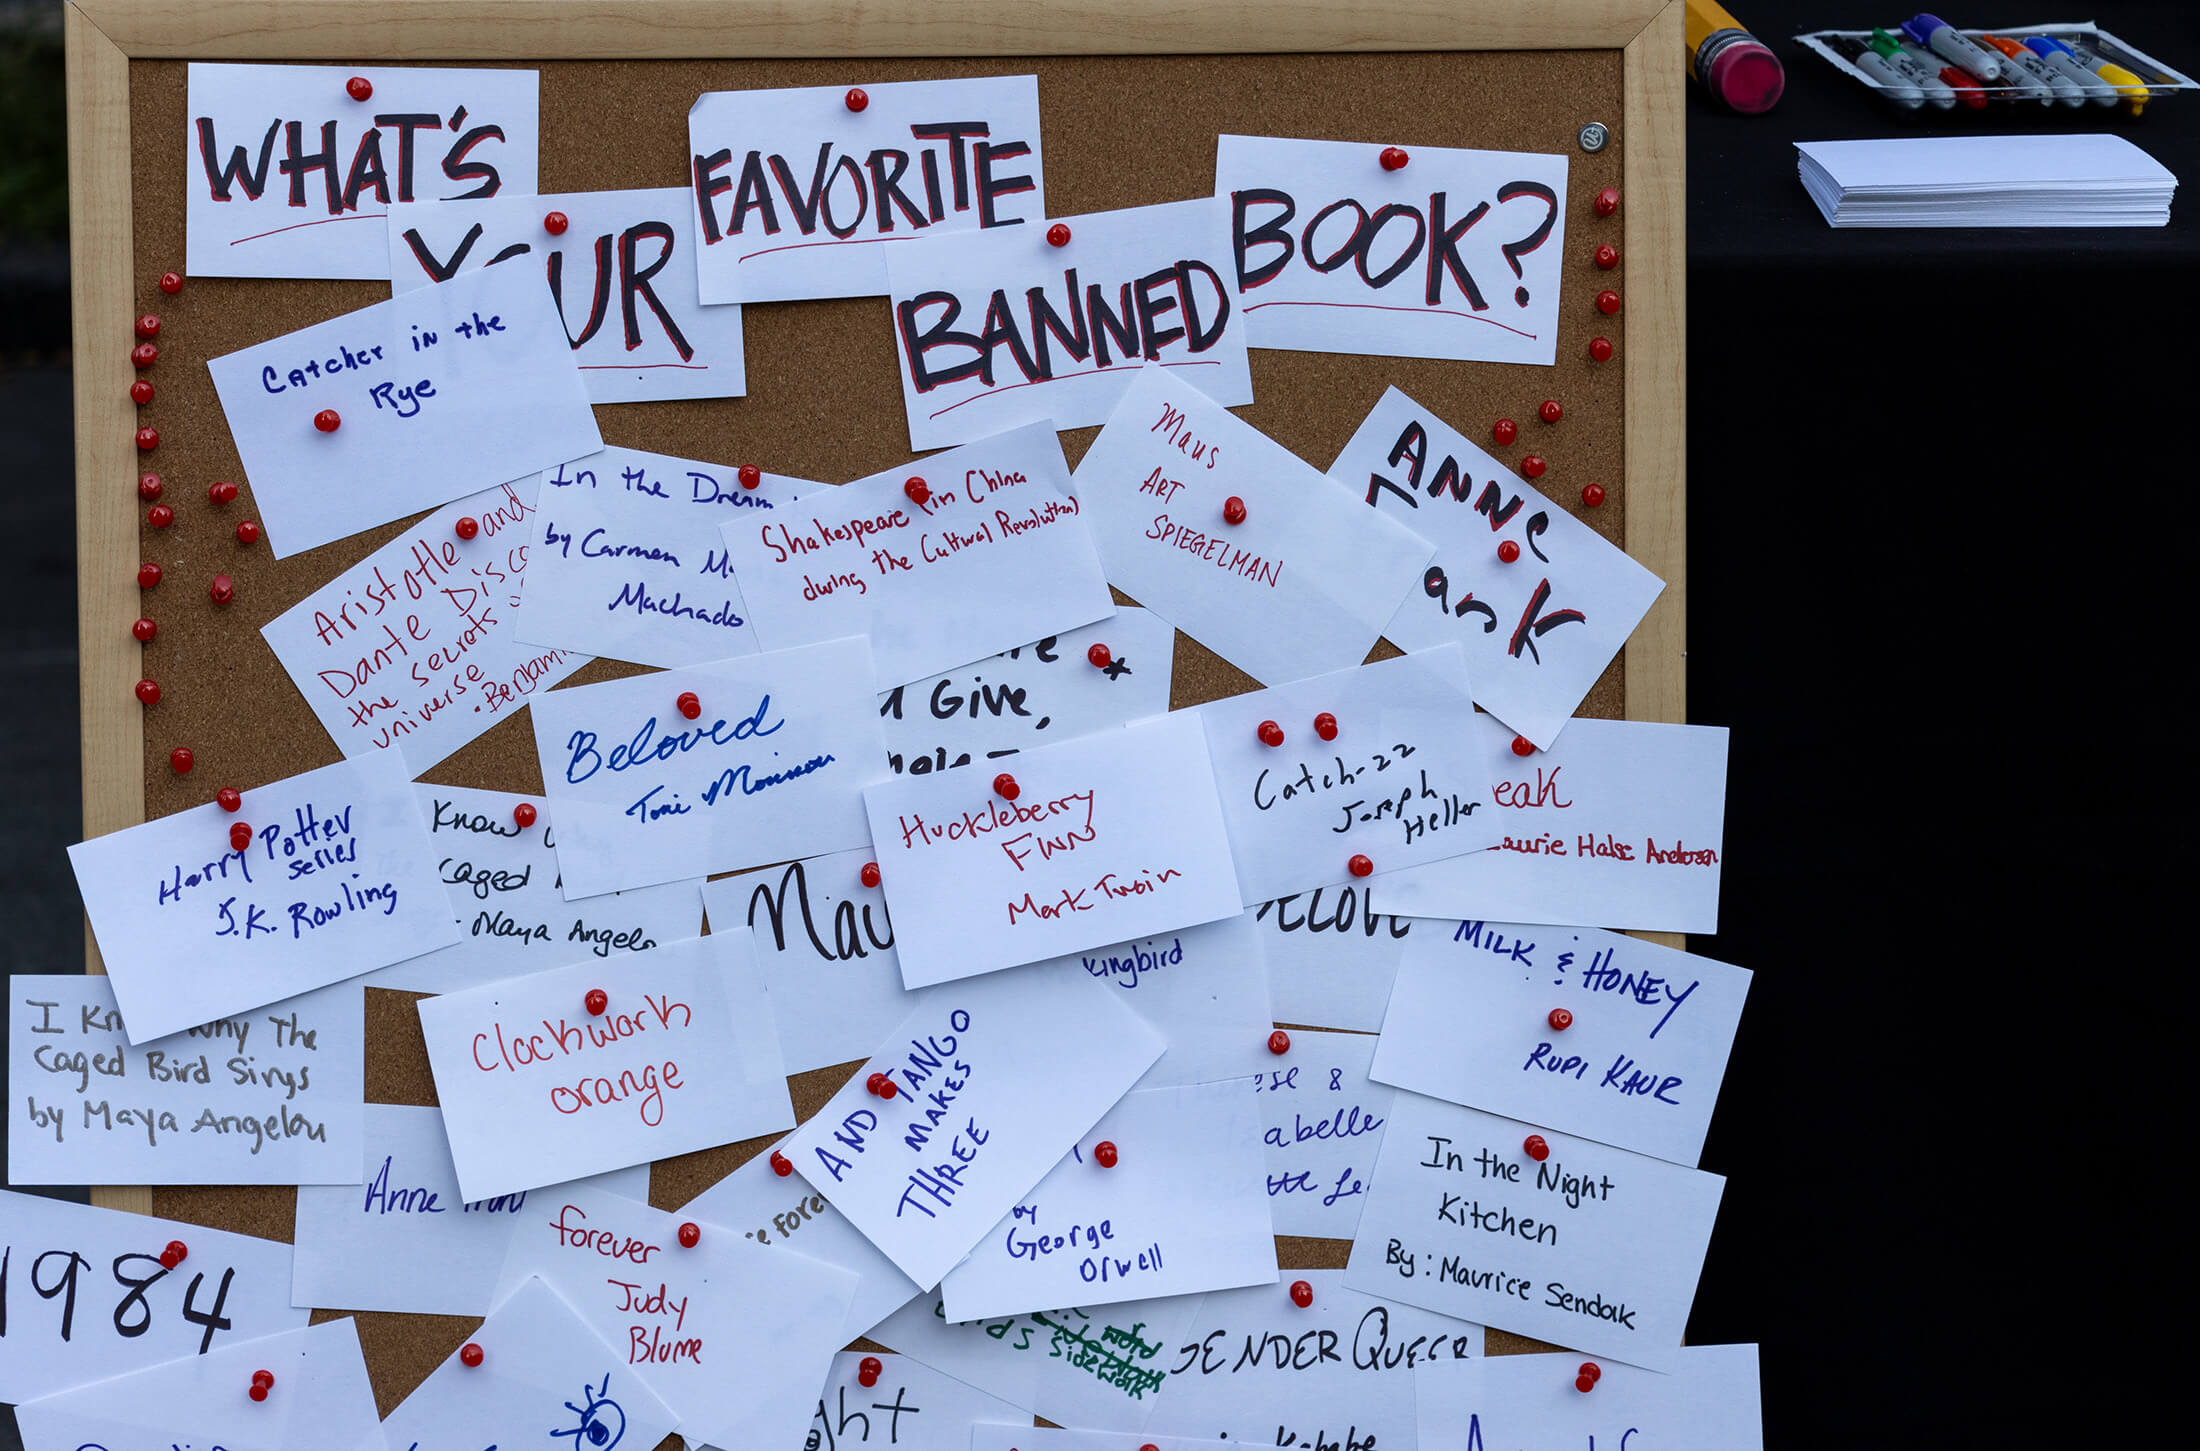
x=2047, y=69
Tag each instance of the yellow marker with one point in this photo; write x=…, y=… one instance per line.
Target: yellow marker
x=2127, y=85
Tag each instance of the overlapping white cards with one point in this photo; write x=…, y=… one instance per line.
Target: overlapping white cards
x=1331, y=958
x=1321, y=1122
x=1707, y=1401
x=1202, y=988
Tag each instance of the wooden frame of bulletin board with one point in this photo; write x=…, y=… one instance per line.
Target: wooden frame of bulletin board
x=1431, y=72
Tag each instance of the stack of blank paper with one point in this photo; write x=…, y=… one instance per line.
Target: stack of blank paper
x=1986, y=181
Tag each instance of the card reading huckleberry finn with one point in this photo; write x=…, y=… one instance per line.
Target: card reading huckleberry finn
x=1104, y=839
x=993, y=1079
x=338, y=877
x=1237, y=541
x=403, y=405
x=800, y=192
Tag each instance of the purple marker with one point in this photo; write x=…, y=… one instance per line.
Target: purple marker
x=1939, y=37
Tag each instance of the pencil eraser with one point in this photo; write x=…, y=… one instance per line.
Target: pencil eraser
x=1747, y=77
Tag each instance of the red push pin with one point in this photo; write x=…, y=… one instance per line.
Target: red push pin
x=689, y=704
x=469, y=1355
x=180, y=760
x=1533, y=466
x=1593, y=495
x=149, y=487
x=148, y=692
x=1591, y=1369
x=263, y=1381
x=857, y=101
x=1607, y=256
x=1607, y=201
x=1607, y=302
x=141, y=392
x=918, y=491
x=1271, y=734
x=1549, y=411
x=1600, y=349
x=222, y=589
x=749, y=475
x=248, y=532
x=1233, y=510
x=229, y=799
x=148, y=575
x=1508, y=551
x=554, y=223
x=1100, y=656
x=874, y=1084
x=221, y=491
x=160, y=516
x=1005, y=787
x=1522, y=746
x=1360, y=865
x=887, y=1087
x=781, y=1164
x=1536, y=1148
x=1560, y=1020
x=869, y=875
x=1103, y=1154
x=1325, y=726
x=1302, y=1294
x=868, y=1370
x=143, y=356
x=1058, y=235
x=148, y=439
x=171, y=283
x=240, y=836
x=466, y=527
x=596, y=1001
x=1585, y=1380
x=327, y=420
x=143, y=630
x=148, y=326
x=359, y=88
x=1279, y=1042
x=523, y=815
x=691, y=1235
x=176, y=1253
x=1394, y=158
x=1504, y=431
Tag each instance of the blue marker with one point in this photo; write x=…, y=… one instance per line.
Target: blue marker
x=2020, y=59
x=2070, y=68
x=1939, y=37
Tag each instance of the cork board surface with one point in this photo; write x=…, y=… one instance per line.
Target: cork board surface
x=824, y=402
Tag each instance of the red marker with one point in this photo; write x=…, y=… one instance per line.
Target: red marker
x=1302, y=1294
x=554, y=223
x=240, y=836
x=856, y=99
x=869, y=875
x=1967, y=90
x=248, y=532
x=1103, y=1154
x=148, y=439
x=148, y=692
x=689, y=704
x=1360, y=866
x=596, y=1001
x=229, y=799
x=180, y=760
x=1550, y=412
x=1058, y=235
x=222, y=589
x=1560, y=1020
x=1271, y=734
x=141, y=392
x=171, y=283
x=1608, y=300
x=143, y=356
x=1504, y=431
x=469, y=1355
x=523, y=815
x=466, y=527
x=750, y=476
x=1100, y=656
x=144, y=629
x=781, y=1164
x=1533, y=466
x=918, y=491
x=1233, y=510
x=1593, y=495
x=1536, y=1148
x=327, y=420
x=1607, y=201
x=1522, y=746
x=221, y=491
x=1601, y=349
x=1279, y=1042
x=1325, y=726
x=691, y=1235
x=148, y=326
x=868, y=1370
x=176, y=1253
x=359, y=88
x=1005, y=787
x=1508, y=551
x=160, y=516
x=1394, y=158
x=148, y=575
x=149, y=487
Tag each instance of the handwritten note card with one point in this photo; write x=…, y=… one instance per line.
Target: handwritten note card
x=991, y=556
x=269, y=1097
x=1621, y=825
x=537, y=1090
x=1707, y=1401
x=995, y=1080
x=282, y=162
x=1108, y=838
x=1591, y=1247
x=544, y=1376
x=735, y=1337
x=436, y=394
x=339, y=879
x=629, y=562
x=771, y=769
x=1006, y=329
x=321, y=1398
x=513, y=917
x=1301, y=587
x=655, y=341
x=412, y=650
x=1331, y=959
x=1032, y=695
x=405, y=1239
x=1537, y=631
x=1202, y=988
x=1182, y=1209
x=1456, y=255
x=1395, y=780
x=86, y=1296
x=1322, y=1121
x=1637, y=1064
x=909, y=1407
x=799, y=195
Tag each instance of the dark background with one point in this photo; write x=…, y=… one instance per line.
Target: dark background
x=1937, y=483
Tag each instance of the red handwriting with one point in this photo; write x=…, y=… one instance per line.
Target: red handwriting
x=1072, y=899
x=573, y=1233
x=519, y=1050
x=1525, y=795
x=821, y=535
x=916, y=831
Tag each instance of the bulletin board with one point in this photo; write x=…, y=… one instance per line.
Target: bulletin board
x=1132, y=96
